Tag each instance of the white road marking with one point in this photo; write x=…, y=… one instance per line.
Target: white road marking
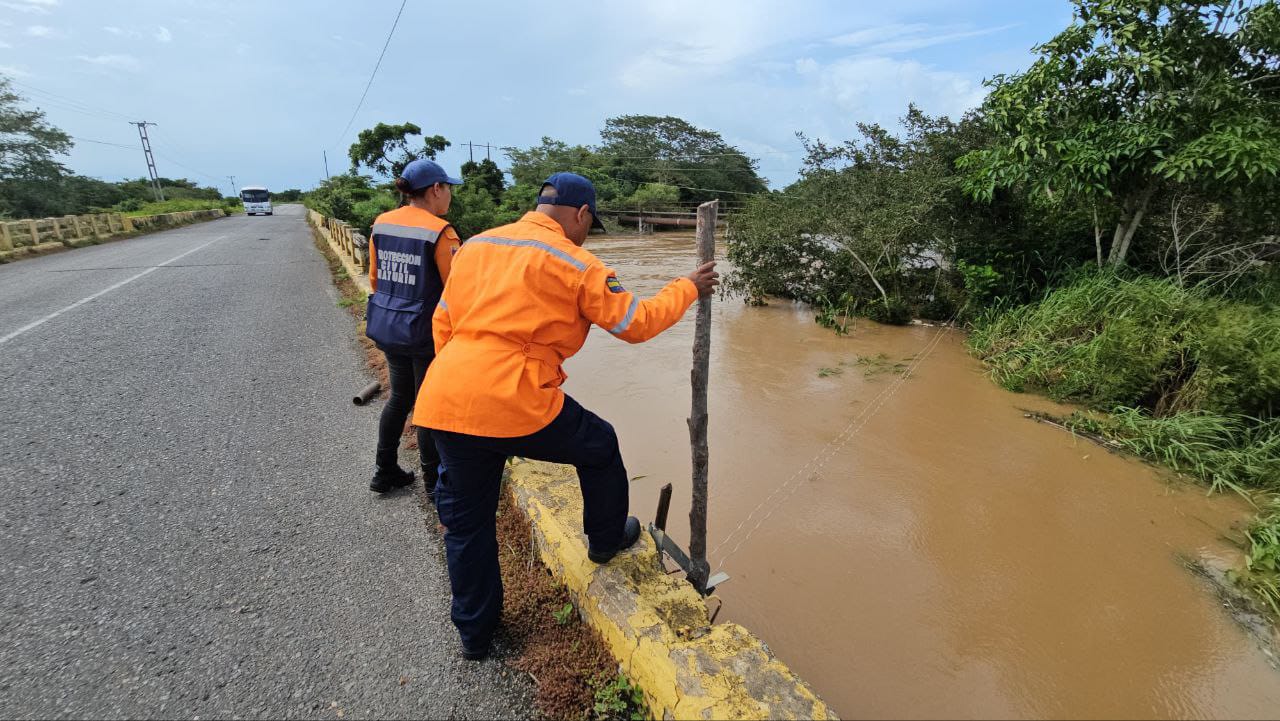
x=36, y=323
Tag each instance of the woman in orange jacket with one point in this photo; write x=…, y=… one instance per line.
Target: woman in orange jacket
x=410, y=253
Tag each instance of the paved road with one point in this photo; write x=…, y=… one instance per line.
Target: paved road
x=186, y=526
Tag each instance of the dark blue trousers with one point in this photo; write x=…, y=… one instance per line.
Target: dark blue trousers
x=467, y=500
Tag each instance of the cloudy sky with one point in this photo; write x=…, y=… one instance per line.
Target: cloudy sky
x=261, y=89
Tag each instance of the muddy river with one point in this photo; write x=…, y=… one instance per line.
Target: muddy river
x=913, y=546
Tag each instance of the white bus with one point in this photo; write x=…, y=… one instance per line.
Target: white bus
x=256, y=200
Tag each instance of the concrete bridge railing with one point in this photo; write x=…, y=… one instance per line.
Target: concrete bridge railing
x=19, y=238
x=351, y=246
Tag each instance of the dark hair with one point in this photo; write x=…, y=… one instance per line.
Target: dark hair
x=403, y=186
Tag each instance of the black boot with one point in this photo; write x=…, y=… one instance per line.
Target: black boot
x=630, y=534
x=384, y=481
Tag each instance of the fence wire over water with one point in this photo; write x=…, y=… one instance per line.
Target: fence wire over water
x=827, y=453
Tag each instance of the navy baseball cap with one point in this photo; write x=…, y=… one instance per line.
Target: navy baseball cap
x=425, y=173
x=574, y=191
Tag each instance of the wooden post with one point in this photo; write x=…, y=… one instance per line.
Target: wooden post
x=34, y=229
x=6, y=236
x=700, y=571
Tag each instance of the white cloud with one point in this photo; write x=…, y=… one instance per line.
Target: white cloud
x=4, y=45
x=40, y=31
x=693, y=42
x=119, y=62
x=901, y=38
x=576, y=91
x=36, y=7
x=879, y=88
x=122, y=32
x=163, y=35
x=805, y=66
x=13, y=72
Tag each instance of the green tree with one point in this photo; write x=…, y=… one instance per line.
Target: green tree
x=30, y=173
x=485, y=175
x=1136, y=98
x=652, y=196
x=338, y=196
x=664, y=149
x=474, y=210
x=386, y=149
x=533, y=165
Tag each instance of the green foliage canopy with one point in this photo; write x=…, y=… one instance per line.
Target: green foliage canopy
x=1134, y=97
x=385, y=149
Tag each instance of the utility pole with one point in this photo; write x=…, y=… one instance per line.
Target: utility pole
x=326, y=164
x=471, y=148
x=234, y=192
x=151, y=161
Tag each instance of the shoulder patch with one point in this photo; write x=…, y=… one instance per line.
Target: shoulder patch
x=614, y=285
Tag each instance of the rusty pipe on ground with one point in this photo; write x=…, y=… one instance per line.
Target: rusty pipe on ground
x=367, y=393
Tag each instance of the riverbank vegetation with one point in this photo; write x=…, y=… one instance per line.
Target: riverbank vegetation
x=643, y=162
x=1107, y=222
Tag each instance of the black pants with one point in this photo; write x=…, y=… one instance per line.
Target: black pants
x=467, y=500
x=406, y=372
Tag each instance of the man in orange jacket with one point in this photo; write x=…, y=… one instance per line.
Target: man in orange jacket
x=519, y=301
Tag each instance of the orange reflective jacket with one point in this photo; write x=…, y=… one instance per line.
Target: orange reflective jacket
x=519, y=301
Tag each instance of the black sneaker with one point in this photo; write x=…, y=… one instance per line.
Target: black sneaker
x=472, y=654
x=383, y=482
x=630, y=534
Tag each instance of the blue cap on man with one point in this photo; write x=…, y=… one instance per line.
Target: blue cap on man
x=425, y=173
x=574, y=191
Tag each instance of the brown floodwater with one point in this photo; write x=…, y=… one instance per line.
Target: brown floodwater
x=945, y=556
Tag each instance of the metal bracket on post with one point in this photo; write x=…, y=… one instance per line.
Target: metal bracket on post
x=658, y=529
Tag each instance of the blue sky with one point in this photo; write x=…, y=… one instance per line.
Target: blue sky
x=260, y=89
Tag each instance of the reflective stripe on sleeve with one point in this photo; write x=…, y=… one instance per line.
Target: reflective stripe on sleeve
x=626, y=320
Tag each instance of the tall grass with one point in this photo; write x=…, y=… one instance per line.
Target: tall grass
x=1263, y=561
x=1106, y=341
x=175, y=206
x=1226, y=451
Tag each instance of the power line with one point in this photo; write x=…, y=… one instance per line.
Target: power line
x=372, y=75
x=689, y=155
x=65, y=103
x=72, y=103
x=188, y=167
x=706, y=170
x=168, y=142
x=101, y=142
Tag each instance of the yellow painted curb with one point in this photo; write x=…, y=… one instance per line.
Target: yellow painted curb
x=656, y=625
